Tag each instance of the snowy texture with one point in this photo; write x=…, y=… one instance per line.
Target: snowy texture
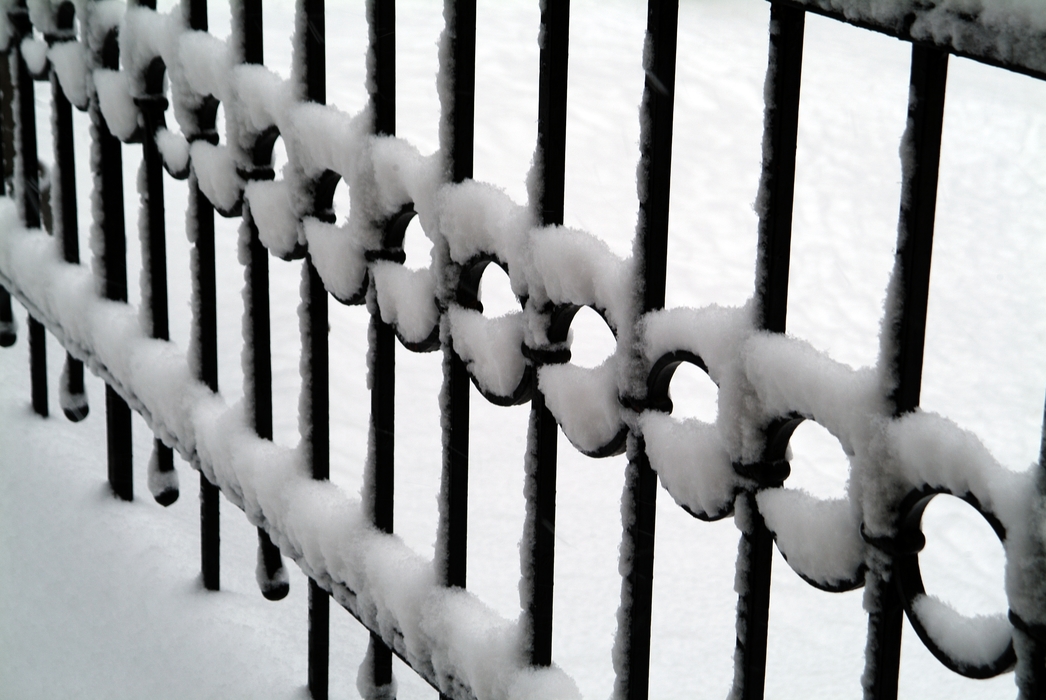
x=175, y=150
x=448, y=635
x=584, y=402
x=69, y=60
x=116, y=103
x=34, y=52
x=407, y=299
x=1010, y=31
x=451, y=636
x=821, y=539
x=691, y=463
x=490, y=348
x=971, y=641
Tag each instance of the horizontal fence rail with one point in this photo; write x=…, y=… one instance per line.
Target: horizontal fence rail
x=131, y=68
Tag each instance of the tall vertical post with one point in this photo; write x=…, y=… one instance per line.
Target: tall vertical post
x=456, y=142
x=640, y=498
x=270, y=573
x=200, y=225
x=73, y=394
x=8, y=332
x=775, y=201
x=380, y=476
x=538, y=552
x=903, y=349
x=107, y=164
x=163, y=480
x=315, y=420
x=27, y=179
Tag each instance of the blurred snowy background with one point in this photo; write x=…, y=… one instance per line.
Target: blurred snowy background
x=100, y=598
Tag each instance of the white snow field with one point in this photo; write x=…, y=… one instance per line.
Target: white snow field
x=101, y=599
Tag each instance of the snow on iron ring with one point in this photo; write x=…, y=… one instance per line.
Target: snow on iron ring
x=976, y=647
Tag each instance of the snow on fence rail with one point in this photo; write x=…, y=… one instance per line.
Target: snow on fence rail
x=128, y=66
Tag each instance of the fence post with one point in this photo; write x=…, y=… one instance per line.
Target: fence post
x=538, y=550
x=27, y=185
x=639, y=502
x=199, y=221
x=456, y=141
x=906, y=318
x=73, y=394
x=107, y=164
x=8, y=328
x=315, y=420
x=270, y=573
x=775, y=200
x=379, y=478
x=163, y=479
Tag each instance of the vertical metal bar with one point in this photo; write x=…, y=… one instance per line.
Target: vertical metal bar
x=29, y=178
x=107, y=162
x=8, y=333
x=200, y=221
x=907, y=303
x=639, y=501
x=539, y=548
x=118, y=441
x=258, y=377
x=457, y=143
x=315, y=380
x=1029, y=636
x=7, y=122
x=382, y=23
x=74, y=397
x=776, y=194
x=163, y=479
x=38, y=366
x=777, y=183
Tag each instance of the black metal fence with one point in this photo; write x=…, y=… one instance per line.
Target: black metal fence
x=888, y=530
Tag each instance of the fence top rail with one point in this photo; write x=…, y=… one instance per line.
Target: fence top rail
x=1005, y=33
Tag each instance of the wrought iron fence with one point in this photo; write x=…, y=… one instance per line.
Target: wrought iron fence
x=128, y=69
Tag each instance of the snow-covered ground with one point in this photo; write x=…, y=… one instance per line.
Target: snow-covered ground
x=100, y=598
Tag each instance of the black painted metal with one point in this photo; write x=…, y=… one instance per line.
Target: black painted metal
x=64, y=173
x=38, y=366
x=776, y=189
x=8, y=334
x=259, y=358
x=315, y=407
x=107, y=162
x=200, y=218
x=452, y=540
x=909, y=295
x=538, y=560
x=639, y=501
x=781, y=126
x=967, y=35
x=118, y=440
x=29, y=178
x=154, y=244
x=381, y=470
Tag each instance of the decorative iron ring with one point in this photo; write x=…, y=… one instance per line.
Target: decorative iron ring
x=910, y=586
